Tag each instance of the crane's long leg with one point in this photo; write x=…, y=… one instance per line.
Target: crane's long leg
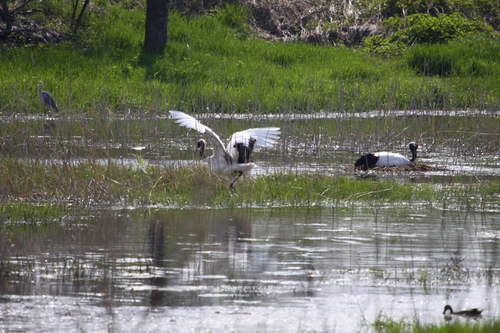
x=234, y=181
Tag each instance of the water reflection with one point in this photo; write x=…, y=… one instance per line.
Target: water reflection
x=248, y=269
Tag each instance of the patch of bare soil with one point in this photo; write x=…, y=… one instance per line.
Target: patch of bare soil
x=26, y=31
x=322, y=22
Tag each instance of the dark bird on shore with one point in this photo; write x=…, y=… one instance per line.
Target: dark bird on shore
x=46, y=98
x=465, y=313
x=235, y=160
x=372, y=160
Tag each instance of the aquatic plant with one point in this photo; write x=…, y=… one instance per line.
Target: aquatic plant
x=91, y=183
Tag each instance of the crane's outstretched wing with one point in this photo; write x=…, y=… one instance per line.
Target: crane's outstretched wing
x=265, y=136
x=189, y=122
x=242, y=143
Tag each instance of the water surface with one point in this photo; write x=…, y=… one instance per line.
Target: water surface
x=250, y=269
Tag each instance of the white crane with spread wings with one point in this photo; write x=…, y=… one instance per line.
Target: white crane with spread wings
x=235, y=160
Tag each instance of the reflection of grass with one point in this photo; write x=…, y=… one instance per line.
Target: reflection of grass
x=90, y=183
x=28, y=214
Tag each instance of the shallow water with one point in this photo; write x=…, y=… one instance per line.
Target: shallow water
x=464, y=143
x=250, y=269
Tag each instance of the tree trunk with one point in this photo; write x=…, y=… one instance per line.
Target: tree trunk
x=156, y=25
x=6, y=14
x=80, y=17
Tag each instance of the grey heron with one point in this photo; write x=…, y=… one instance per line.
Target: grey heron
x=235, y=160
x=46, y=98
x=384, y=158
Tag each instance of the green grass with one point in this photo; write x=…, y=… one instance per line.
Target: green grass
x=213, y=63
x=467, y=57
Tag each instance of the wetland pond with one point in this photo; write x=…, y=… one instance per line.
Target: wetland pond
x=254, y=269
x=251, y=270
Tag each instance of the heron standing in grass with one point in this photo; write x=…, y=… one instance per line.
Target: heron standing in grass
x=46, y=98
x=235, y=160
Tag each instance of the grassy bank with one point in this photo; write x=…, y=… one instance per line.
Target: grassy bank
x=213, y=63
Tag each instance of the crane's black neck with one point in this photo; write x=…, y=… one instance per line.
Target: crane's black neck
x=413, y=149
x=200, y=145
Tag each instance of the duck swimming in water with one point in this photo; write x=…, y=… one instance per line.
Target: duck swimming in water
x=465, y=313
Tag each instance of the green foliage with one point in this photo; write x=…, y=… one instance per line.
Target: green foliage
x=427, y=29
x=479, y=10
x=383, y=46
x=423, y=29
x=331, y=27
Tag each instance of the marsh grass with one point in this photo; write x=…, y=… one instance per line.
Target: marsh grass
x=114, y=136
x=91, y=161
x=26, y=214
x=87, y=183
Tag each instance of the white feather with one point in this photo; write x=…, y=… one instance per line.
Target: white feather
x=391, y=159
